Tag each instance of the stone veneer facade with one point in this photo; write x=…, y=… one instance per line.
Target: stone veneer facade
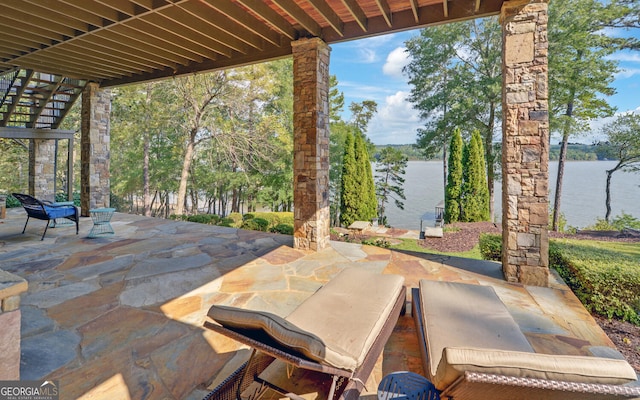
x=311, y=143
x=41, y=169
x=95, y=131
x=525, y=141
x=11, y=286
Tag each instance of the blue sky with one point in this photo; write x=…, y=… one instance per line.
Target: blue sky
x=371, y=69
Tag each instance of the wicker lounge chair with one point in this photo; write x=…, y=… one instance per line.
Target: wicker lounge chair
x=339, y=332
x=46, y=211
x=473, y=349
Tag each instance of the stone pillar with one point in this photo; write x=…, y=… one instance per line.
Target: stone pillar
x=10, y=288
x=94, y=144
x=41, y=169
x=525, y=141
x=311, y=143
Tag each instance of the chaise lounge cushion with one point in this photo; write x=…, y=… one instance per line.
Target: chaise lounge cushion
x=468, y=328
x=584, y=369
x=336, y=326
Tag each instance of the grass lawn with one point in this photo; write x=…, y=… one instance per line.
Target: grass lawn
x=412, y=245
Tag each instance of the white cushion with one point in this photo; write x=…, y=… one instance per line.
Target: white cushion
x=336, y=326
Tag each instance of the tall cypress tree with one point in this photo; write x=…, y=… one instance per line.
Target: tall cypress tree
x=350, y=184
x=368, y=201
x=475, y=195
x=453, y=190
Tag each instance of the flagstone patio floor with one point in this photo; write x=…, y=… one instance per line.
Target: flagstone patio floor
x=120, y=317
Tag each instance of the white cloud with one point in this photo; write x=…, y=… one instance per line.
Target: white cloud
x=397, y=59
x=626, y=73
x=628, y=57
x=396, y=121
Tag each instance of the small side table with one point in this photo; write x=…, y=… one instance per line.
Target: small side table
x=101, y=218
x=406, y=386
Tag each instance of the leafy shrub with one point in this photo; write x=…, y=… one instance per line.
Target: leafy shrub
x=256, y=224
x=62, y=197
x=601, y=225
x=490, y=246
x=284, y=229
x=210, y=219
x=605, y=277
x=236, y=219
x=248, y=216
x=228, y=222
x=380, y=242
x=626, y=221
x=618, y=223
x=12, y=202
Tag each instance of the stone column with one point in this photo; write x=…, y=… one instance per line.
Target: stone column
x=311, y=143
x=11, y=286
x=525, y=141
x=41, y=169
x=94, y=153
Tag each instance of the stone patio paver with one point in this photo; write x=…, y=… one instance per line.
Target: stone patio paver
x=121, y=317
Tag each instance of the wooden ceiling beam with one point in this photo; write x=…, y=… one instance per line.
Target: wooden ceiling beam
x=182, y=32
x=210, y=34
x=300, y=16
x=38, y=25
x=58, y=12
x=383, y=6
x=226, y=25
x=126, y=31
x=150, y=44
x=108, y=14
x=58, y=22
x=119, y=54
x=414, y=9
x=328, y=14
x=357, y=13
x=171, y=39
x=273, y=18
x=244, y=19
x=77, y=64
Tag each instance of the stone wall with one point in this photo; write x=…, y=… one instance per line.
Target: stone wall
x=311, y=143
x=525, y=140
x=94, y=153
x=41, y=169
x=11, y=286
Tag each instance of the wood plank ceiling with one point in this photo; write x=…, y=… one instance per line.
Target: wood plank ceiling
x=116, y=42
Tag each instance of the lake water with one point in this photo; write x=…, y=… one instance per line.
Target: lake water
x=583, y=193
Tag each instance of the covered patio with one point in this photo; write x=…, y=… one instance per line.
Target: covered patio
x=121, y=317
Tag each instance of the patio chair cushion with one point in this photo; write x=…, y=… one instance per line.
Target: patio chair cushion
x=60, y=211
x=468, y=328
x=583, y=369
x=335, y=326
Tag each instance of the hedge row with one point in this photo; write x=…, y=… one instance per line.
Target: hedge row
x=604, y=276
x=276, y=222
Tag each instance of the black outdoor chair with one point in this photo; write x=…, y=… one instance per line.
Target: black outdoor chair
x=47, y=211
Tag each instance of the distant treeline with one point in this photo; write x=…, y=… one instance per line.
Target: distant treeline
x=575, y=152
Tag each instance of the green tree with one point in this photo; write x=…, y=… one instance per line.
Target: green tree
x=435, y=88
x=368, y=203
x=361, y=113
x=475, y=196
x=624, y=138
x=389, y=182
x=350, y=197
x=455, y=75
x=580, y=71
x=453, y=192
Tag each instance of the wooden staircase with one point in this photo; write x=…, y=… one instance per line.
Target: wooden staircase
x=31, y=99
